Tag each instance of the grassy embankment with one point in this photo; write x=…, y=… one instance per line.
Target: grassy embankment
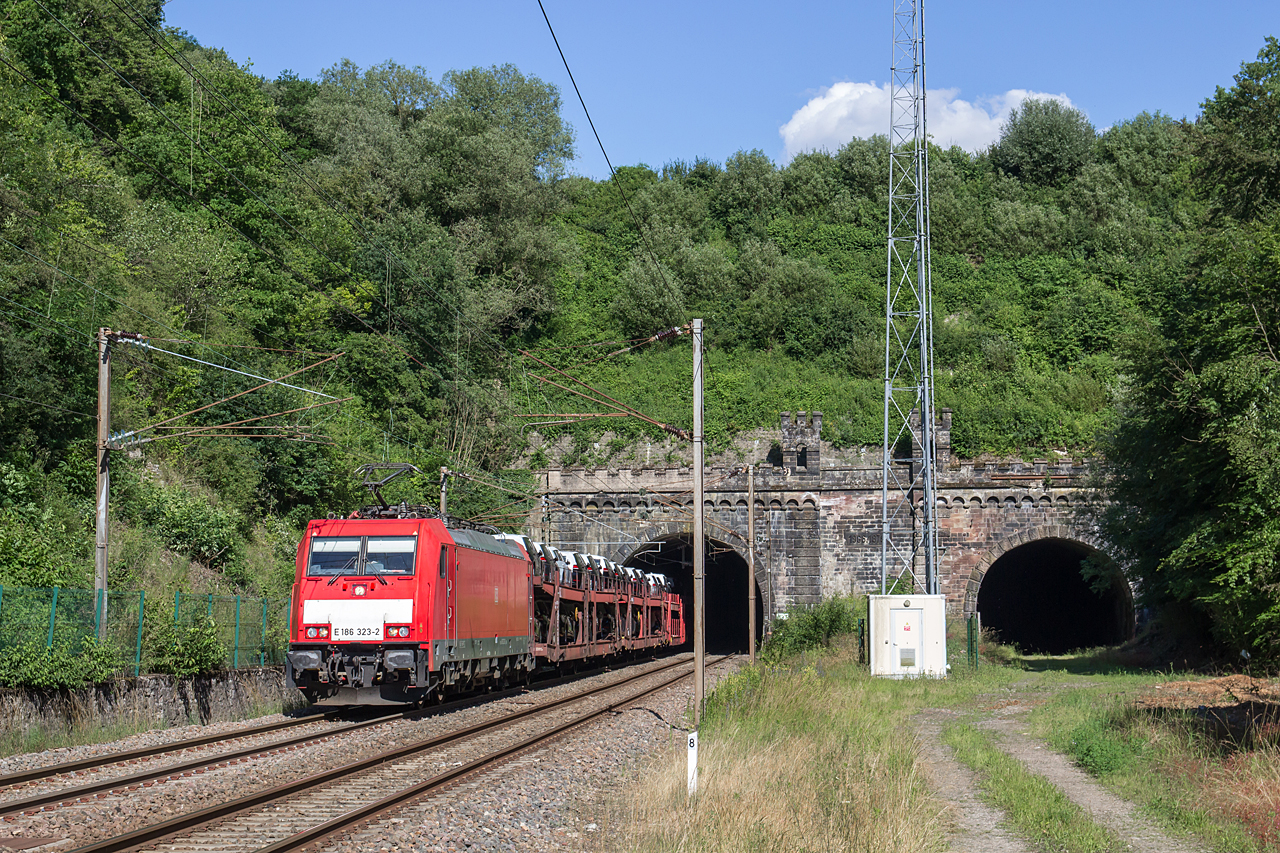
x=814, y=754
x=1211, y=772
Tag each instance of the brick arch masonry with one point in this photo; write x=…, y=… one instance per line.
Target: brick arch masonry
x=672, y=529
x=818, y=526
x=1040, y=533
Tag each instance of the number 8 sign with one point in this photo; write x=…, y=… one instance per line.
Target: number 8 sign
x=693, y=763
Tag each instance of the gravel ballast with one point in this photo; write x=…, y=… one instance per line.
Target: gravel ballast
x=549, y=799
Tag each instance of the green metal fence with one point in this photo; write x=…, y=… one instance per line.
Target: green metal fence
x=254, y=631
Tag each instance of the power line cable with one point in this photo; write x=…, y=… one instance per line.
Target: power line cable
x=246, y=238
x=499, y=349
x=47, y=406
x=46, y=317
x=288, y=225
x=274, y=211
x=168, y=328
x=613, y=175
x=144, y=345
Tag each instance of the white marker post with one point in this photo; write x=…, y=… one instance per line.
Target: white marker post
x=693, y=763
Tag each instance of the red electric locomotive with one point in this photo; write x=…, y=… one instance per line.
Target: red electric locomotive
x=392, y=607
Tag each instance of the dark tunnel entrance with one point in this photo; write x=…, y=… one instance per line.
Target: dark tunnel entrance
x=726, y=587
x=1035, y=597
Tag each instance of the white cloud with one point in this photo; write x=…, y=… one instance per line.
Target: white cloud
x=839, y=113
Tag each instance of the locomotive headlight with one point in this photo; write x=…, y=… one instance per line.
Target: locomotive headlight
x=311, y=633
x=324, y=632
x=358, y=590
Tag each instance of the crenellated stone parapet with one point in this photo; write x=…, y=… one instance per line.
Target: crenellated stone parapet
x=818, y=527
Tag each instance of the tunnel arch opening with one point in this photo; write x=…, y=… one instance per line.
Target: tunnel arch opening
x=726, y=578
x=1036, y=597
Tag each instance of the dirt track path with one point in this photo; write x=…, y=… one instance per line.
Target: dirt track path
x=978, y=826
x=983, y=828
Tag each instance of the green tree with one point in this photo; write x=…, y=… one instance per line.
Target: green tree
x=746, y=193
x=1238, y=145
x=1044, y=142
x=521, y=106
x=84, y=47
x=1193, y=486
x=810, y=183
x=649, y=299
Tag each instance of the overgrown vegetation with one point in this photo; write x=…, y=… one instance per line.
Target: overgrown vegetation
x=808, y=756
x=1109, y=292
x=184, y=650
x=1037, y=808
x=813, y=627
x=62, y=665
x=777, y=767
x=1197, y=778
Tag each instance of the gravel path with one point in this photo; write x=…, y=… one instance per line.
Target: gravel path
x=1116, y=814
x=978, y=827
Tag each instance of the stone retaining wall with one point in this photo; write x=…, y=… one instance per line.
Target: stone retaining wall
x=149, y=701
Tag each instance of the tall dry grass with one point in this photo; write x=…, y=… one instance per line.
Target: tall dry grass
x=814, y=757
x=1247, y=787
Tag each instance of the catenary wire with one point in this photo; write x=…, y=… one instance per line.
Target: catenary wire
x=613, y=175
x=238, y=181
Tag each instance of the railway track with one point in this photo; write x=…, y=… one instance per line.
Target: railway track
x=67, y=768
x=304, y=811
x=62, y=780
x=103, y=764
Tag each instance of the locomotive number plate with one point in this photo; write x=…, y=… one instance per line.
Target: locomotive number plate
x=357, y=632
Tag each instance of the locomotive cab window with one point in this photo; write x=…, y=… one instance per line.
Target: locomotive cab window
x=390, y=555
x=332, y=556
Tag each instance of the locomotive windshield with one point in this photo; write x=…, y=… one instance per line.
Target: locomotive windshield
x=390, y=555
x=361, y=555
x=333, y=556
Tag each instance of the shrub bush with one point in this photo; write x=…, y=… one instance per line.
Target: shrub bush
x=184, y=650
x=33, y=665
x=1099, y=747
x=812, y=626
x=191, y=524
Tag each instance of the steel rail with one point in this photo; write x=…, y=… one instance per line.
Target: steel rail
x=146, y=835
x=363, y=814
x=12, y=779
x=76, y=792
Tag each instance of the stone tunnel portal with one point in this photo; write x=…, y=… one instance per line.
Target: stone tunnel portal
x=725, y=582
x=1034, y=596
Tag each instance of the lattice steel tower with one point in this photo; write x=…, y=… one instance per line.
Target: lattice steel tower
x=909, y=538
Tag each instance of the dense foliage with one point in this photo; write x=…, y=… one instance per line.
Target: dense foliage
x=1196, y=453
x=810, y=627
x=1117, y=284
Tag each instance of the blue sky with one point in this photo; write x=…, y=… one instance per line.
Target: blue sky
x=667, y=81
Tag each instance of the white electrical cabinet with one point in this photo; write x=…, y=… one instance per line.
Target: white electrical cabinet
x=907, y=635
